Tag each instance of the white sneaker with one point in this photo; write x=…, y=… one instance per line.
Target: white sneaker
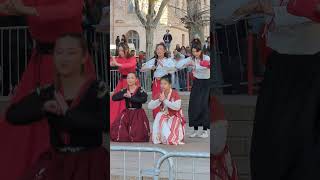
x=194, y=134
x=204, y=134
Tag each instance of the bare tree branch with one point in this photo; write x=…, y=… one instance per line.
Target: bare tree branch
x=160, y=11
x=139, y=13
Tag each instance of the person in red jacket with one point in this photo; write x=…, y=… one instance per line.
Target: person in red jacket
x=126, y=64
x=47, y=20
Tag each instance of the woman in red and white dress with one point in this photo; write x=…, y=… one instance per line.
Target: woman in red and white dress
x=161, y=65
x=126, y=64
x=222, y=166
x=169, y=124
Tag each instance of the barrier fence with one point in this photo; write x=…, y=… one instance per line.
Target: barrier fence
x=156, y=171
x=237, y=53
x=16, y=47
x=182, y=80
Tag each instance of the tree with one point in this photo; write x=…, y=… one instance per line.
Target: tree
x=150, y=21
x=195, y=18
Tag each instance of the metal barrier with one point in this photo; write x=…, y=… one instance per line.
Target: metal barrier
x=181, y=80
x=16, y=47
x=166, y=156
x=154, y=150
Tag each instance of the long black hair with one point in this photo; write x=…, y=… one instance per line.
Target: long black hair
x=156, y=55
x=167, y=78
x=196, y=44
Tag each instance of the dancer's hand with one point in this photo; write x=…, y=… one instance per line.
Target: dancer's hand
x=162, y=97
x=62, y=103
x=127, y=95
x=21, y=9
x=52, y=106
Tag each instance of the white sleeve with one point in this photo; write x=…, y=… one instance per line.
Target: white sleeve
x=219, y=133
x=183, y=62
x=148, y=65
x=170, y=65
x=283, y=18
x=154, y=104
x=176, y=105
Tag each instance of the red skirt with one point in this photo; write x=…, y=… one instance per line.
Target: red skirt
x=24, y=144
x=116, y=107
x=86, y=165
x=131, y=126
x=156, y=89
x=222, y=166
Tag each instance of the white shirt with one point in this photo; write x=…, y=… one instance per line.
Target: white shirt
x=164, y=67
x=199, y=71
x=292, y=34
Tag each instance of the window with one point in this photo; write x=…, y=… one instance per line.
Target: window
x=130, y=6
x=133, y=37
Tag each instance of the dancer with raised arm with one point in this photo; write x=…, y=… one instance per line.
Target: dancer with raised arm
x=132, y=124
x=126, y=63
x=199, y=98
x=169, y=124
x=161, y=65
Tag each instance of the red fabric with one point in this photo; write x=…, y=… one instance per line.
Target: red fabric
x=219, y=163
x=304, y=8
x=205, y=64
x=156, y=90
x=217, y=110
x=24, y=144
x=55, y=17
x=131, y=126
x=85, y=165
x=220, y=169
x=128, y=65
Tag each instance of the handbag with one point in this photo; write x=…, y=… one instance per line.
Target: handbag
x=304, y=8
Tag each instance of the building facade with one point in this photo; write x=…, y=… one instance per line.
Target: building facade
x=124, y=21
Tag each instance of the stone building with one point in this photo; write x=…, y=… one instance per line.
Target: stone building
x=124, y=21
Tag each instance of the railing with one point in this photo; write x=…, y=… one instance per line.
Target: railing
x=181, y=80
x=165, y=156
x=153, y=150
x=15, y=50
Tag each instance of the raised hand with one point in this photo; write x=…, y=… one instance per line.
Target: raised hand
x=61, y=103
x=162, y=97
x=52, y=107
x=127, y=95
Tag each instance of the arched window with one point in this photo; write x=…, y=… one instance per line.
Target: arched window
x=133, y=37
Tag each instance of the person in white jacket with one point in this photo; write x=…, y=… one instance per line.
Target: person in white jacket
x=160, y=65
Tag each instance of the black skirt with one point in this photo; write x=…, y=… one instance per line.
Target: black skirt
x=199, y=103
x=285, y=142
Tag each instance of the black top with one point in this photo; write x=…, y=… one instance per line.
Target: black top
x=137, y=99
x=83, y=124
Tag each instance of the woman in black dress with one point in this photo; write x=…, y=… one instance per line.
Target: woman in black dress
x=132, y=124
x=74, y=107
